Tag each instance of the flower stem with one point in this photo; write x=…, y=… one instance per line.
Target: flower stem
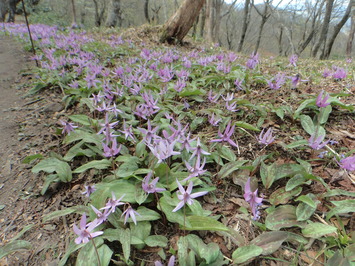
x=97, y=253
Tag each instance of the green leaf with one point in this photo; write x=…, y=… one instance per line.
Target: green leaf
x=307, y=124
x=182, y=245
x=337, y=192
x=281, y=196
x=81, y=119
x=96, y=164
x=268, y=174
x=316, y=230
x=342, y=206
x=77, y=150
x=88, y=254
x=308, y=199
x=173, y=217
x=296, y=144
x=70, y=250
x=304, y=211
x=30, y=158
x=246, y=126
x=49, y=180
x=339, y=260
x=294, y=182
x=156, y=241
x=243, y=254
x=204, y=223
x=77, y=209
x=282, y=217
x=118, y=187
x=147, y=214
x=303, y=105
x=87, y=137
x=324, y=114
x=270, y=241
x=14, y=246
x=187, y=93
x=227, y=153
x=140, y=232
x=51, y=165
x=126, y=169
x=125, y=239
x=230, y=167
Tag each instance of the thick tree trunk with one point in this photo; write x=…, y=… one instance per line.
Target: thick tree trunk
x=146, y=11
x=12, y=10
x=114, y=15
x=325, y=27
x=99, y=12
x=246, y=20
x=74, y=11
x=337, y=29
x=208, y=21
x=4, y=6
x=349, y=44
x=217, y=20
x=176, y=28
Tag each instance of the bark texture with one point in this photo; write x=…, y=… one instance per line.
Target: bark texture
x=177, y=27
x=325, y=27
x=349, y=44
x=337, y=28
x=114, y=16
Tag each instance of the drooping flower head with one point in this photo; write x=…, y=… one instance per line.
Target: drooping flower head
x=252, y=198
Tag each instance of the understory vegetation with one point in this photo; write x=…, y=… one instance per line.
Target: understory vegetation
x=197, y=156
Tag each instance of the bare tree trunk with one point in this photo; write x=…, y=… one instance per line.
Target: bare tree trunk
x=264, y=17
x=349, y=44
x=4, y=4
x=208, y=21
x=176, y=28
x=146, y=11
x=246, y=20
x=74, y=11
x=114, y=15
x=99, y=12
x=337, y=28
x=325, y=27
x=314, y=27
x=12, y=10
x=203, y=21
x=217, y=20
x=280, y=40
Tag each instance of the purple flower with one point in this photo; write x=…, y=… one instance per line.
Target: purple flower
x=232, y=106
x=226, y=136
x=101, y=216
x=113, y=203
x=85, y=232
x=112, y=151
x=316, y=142
x=185, y=196
x=129, y=212
x=150, y=187
x=293, y=60
x=170, y=263
x=322, y=101
x=339, y=73
x=326, y=73
x=128, y=131
x=213, y=120
x=277, y=82
x=348, y=163
x=238, y=84
x=197, y=151
x=253, y=61
x=212, y=98
x=162, y=149
x=149, y=133
x=88, y=190
x=196, y=170
x=253, y=199
x=266, y=138
x=68, y=127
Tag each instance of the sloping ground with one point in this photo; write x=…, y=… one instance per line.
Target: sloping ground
x=35, y=131
x=24, y=130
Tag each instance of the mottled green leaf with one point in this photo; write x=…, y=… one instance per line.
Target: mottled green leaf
x=14, y=246
x=315, y=230
x=243, y=254
x=230, y=167
x=282, y=217
x=96, y=164
x=281, y=196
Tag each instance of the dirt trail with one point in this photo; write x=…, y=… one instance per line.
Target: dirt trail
x=24, y=130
